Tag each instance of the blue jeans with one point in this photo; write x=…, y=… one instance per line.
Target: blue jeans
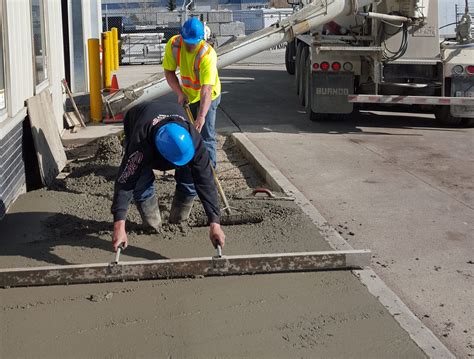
x=145, y=187
x=184, y=179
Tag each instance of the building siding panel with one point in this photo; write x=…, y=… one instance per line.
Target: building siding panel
x=56, y=58
x=12, y=169
x=20, y=54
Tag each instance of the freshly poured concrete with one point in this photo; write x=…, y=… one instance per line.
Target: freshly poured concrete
x=325, y=314
x=71, y=223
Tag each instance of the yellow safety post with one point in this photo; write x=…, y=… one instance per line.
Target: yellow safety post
x=116, y=48
x=111, y=52
x=107, y=81
x=94, y=80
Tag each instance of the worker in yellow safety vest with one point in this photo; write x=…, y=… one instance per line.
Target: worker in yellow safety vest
x=200, y=87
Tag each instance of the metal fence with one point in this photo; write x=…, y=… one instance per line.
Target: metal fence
x=257, y=19
x=144, y=34
x=460, y=9
x=142, y=48
x=254, y=19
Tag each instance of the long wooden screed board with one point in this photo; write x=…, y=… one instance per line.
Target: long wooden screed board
x=183, y=268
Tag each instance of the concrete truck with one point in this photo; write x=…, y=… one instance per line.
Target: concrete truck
x=354, y=51
x=389, y=53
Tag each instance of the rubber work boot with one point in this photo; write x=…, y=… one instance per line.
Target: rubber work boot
x=180, y=208
x=150, y=212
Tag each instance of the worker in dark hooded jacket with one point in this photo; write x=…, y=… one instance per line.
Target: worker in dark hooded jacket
x=157, y=136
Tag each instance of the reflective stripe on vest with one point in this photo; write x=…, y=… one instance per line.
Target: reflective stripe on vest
x=202, y=52
x=176, y=49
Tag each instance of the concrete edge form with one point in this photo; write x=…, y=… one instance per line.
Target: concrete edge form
x=417, y=331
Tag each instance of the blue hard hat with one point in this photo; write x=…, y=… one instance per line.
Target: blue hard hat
x=175, y=144
x=192, y=31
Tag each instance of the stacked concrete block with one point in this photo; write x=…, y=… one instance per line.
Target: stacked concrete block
x=220, y=16
x=164, y=18
x=215, y=28
x=236, y=28
x=200, y=15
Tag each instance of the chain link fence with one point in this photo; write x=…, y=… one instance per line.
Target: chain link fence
x=144, y=34
x=460, y=12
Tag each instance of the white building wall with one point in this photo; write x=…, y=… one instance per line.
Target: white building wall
x=20, y=86
x=87, y=28
x=54, y=35
x=19, y=58
x=80, y=31
x=20, y=79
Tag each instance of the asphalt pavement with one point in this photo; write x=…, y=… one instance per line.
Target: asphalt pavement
x=394, y=182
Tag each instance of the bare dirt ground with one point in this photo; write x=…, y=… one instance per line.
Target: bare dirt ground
x=326, y=314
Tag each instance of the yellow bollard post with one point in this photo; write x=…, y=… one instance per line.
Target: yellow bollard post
x=111, y=52
x=94, y=80
x=116, y=48
x=107, y=81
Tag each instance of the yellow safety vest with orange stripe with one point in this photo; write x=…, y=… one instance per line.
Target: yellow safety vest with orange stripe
x=197, y=68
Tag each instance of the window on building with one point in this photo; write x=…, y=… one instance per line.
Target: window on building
x=39, y=41
x=2, y=64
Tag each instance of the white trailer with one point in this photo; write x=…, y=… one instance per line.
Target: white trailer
x=388, y=53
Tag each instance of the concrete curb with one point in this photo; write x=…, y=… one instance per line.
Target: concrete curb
x=417, y=331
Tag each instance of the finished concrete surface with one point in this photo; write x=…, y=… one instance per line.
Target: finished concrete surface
x=395, y=183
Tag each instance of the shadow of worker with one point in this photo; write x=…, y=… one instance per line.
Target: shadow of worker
x=37, y=236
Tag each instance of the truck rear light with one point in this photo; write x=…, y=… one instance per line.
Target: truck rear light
x=315, y=66
x=458, y=70
x=325, y=66
x=347, y=66
x=470, y=69
x=336, y=66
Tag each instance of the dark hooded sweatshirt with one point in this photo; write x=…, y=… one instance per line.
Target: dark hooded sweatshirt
x=141, y=124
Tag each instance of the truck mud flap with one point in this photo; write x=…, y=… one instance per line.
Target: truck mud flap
x=329, y=92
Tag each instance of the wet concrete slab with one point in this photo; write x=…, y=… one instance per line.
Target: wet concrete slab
x=324, y=314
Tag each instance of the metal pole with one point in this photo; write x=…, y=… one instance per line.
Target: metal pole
x=94, y=80
x=111, y=51
x=106, y=18
x=115, y=48
x=106, y=59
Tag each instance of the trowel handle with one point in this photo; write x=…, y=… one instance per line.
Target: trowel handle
x=117, y=254
x=219, y=250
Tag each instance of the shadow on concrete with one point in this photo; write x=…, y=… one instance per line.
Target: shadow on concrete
x=265, y=101
x=52, y=230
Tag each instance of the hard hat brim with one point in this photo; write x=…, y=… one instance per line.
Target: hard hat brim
x=187, y=157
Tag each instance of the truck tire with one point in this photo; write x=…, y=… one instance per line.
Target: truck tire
x=303, y=73
x=290, y=53
x=443, y=116
x=299, y=49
